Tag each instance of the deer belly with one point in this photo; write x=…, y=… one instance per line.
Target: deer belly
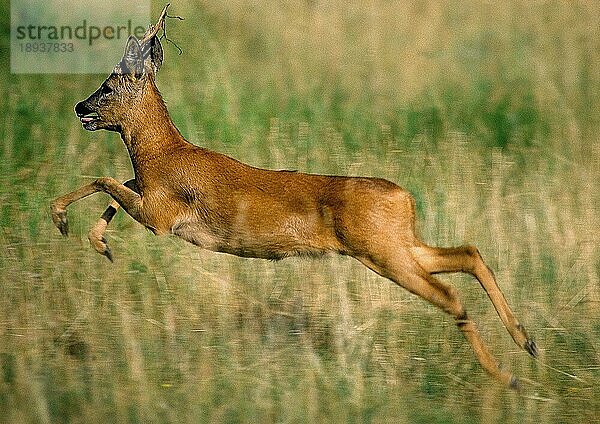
x=274, y=239
x=197, y=233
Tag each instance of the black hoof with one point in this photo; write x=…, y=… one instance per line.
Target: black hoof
x=107, y=252
x=531, y=348
x=63, y=227
x=514, y=383
x=100, y=245
x=62, y=224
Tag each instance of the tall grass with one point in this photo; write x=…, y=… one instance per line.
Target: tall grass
x=488, y=113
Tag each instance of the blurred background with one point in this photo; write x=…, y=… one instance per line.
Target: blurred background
x=489, y=112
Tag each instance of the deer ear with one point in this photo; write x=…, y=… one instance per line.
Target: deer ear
x=156, y=53
x=132, y=62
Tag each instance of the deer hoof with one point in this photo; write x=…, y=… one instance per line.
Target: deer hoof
x=59, y=217
x=100, y=245
x=108, y=253
x=532, y=348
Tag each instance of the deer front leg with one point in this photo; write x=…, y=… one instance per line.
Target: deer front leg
x=59, y=205
x=96, y=233
x=123, y=195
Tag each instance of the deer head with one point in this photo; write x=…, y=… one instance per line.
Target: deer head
x=109, y=106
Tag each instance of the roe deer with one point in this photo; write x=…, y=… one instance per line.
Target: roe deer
x=223, y=205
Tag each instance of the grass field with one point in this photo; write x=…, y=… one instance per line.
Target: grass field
x=488, y=112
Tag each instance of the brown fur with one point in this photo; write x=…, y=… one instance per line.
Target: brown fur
x=223, y=205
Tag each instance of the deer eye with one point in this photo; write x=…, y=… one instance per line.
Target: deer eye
x=105, y=90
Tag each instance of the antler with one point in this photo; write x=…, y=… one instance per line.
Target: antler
x=153, y=29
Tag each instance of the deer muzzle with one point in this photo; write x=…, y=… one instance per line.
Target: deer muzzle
x=86, y=115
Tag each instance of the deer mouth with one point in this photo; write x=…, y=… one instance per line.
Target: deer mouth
x=90, y=117
x=90, y=121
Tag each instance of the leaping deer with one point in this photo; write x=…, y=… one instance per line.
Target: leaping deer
x=223, y=205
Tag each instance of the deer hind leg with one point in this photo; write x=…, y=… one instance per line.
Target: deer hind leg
x=96, y=233
x=468, y=259
x=407, y=273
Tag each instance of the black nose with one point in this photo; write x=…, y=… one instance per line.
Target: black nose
x=82, y=109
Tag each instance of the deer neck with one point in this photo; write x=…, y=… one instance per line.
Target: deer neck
x=148, y=132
